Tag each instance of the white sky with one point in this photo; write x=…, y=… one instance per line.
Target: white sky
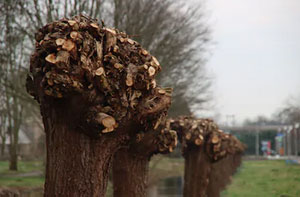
x=256, y=58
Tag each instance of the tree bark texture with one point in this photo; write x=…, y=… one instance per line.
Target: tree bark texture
x=96, y=90
x=130, y=174
x=77, y=165
x=196, y=173
x=131, y=163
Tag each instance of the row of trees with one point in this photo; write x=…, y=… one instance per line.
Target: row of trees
x=101, y=106
x=173, y=31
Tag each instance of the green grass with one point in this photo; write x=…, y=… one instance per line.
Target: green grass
x=23, y=167
x=254, y=178
x=32, y=181
x=265, y=179
x=14, y=178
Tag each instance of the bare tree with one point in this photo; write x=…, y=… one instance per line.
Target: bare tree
x=290, y=112
x=13, y=73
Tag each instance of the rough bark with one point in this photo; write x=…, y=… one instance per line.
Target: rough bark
x=96, y=90
x=130, y=174
x=196, y=172
x=77, y=165
x=131, y=164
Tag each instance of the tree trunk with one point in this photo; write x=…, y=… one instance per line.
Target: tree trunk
x=130, y=174
x=221, y=174
x=77, y=165
x=3, y=146
x=196, y=173
x=13, y=161
x=131, y=163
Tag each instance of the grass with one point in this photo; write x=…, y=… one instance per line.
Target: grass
x=265, y=179
x=16, y=179
x=254, y=178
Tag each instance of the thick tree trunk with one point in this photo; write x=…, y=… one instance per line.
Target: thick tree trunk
x=130, y=174
x=77, y=165
x=196, y=173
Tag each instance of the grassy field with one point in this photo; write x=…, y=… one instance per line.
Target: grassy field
x=28, y=175
x=265, y=179
x=254, y=178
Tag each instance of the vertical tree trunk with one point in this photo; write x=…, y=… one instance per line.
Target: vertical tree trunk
x=3, y=143
x=196, y=173
x=13, y=160
x=221, y=174
x=131, y=164
x=77, y=165
x=130, y=174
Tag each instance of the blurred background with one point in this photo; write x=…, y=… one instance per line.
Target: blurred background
x=236, y=62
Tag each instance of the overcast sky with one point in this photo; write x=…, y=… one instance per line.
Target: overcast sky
x=256, y=56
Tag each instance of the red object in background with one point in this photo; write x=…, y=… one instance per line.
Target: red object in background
x=269, y=148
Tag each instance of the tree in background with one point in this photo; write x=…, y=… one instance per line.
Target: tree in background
x=290, y=112
x=13, y=64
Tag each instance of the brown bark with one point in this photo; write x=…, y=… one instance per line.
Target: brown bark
x=130, y=174
x=196, y=173
x=131, y=164
x=221, y=174
x=77, y=165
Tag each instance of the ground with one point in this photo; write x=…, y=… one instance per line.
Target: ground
x=253, y=179
x=265, y=178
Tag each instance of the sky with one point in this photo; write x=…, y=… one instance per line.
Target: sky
x=255, y=59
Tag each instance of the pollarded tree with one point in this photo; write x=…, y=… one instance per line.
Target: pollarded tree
x=96, y=89
x=131, y=163
x=203, y=144
x=222, y=172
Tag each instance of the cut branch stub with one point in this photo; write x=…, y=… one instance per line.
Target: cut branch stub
x=161, y=140
x=223, y=144
x=111, y=73
x=204, y=133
